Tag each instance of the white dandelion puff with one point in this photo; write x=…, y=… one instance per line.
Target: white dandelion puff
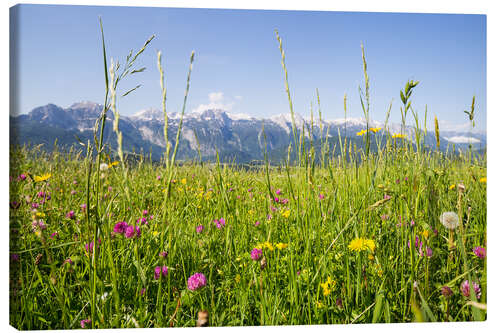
x=449, y=220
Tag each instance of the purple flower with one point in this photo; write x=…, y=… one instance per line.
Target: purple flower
x=85, y=322
x=143, y=290
x=428, y=252
x=412, y=223
x=278, y=192
x=321, y=196
x=199, y=228
x=68, y=261
x=160, y=271
x=71, y=215
x=387, y=197
x=54, y=235
x=446, y=291
x=14, y=205
x=34, y=205
x=75, y=182
x=480, y=252
x=256, y=254
x=220, y=223
x=73, y=192
x=14, y=257
x=145, y=212
x=129, y=231
x=465, y=288
x=83, y=207
x=256, y=223
x=163, y=254
x=120, y=227
x=196, y=281
x=276, y=199
x=137, y=232
x=89, y=246
x=397, y=181
x=22, y=177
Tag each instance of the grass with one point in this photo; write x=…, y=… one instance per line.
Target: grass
x=337, y=239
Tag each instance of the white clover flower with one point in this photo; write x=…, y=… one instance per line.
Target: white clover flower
x=449, y=220
x=103, y=167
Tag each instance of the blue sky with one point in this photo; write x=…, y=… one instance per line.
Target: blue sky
x=237, y=63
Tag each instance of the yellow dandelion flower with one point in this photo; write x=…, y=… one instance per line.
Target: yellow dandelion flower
x=375, y=130
x=155, y=233
x=361, y=133
x=452, y=187
x=40, y=214
x=42, y=177
x=183, y=181
x=281, y=246
x=371, y=257
x=286, y=214
x=361, y=244
x=112, y=164
x=266, y=245
x=398, y=136
x=482, y=180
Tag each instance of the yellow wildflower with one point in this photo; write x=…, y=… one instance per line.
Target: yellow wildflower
x=482, y=180
x=250, y=212
x=319, y=305
x=42, y=177
x=112, y=164
x=183, y=181
x=398, y=136
x=327, y=286
x=375, y=130
x=281, y=246
x=266, y=245
x=452, y=187
x=155, y=233
x=286, y=214
x=361, y=133
x=40, y=214
x=425, y=234
x=361, y=244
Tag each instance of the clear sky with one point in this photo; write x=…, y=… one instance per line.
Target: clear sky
x=237, y=64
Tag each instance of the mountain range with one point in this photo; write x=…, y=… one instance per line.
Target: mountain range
x=235, y=137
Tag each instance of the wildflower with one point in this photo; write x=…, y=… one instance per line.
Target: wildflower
x=54, y=235
x=83, y=207
x=375, y=129
x=90, y=246
x=23, y=177
x=482, y=180
x=278, y=192
x=398, y=136
x=155, y=233
x=465, y=288
x=256, y=223
x=71, y=215
x=145, y=212
x=120, y=227
x=425, y=234
x=384, y=217
x=163, y=254
x=452, y=187
x=73, y=192
x=14, y=257
x=286, y=213
x=85, y=322
x=158, y=177
x=183, y=181
x=103, y=167
x=428, y=252
x=449, y=220
x=143, y=290
x=266, y=245
x=281, y=246
x=14, y=205
x=327, y=286
x=112, y=164
x=446, y=291
x=220, y=223
x=34, y=205
x=160, y=271
x=321, y=196
x=361, y=244
x=42, y=177
x=387, y=197
x=199, y=228
x=196, y=281
x=256, y=254
x=480, y=252
x=67, y=261
x=361, y=133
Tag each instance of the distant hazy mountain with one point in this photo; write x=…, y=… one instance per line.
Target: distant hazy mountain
x=237, y=137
